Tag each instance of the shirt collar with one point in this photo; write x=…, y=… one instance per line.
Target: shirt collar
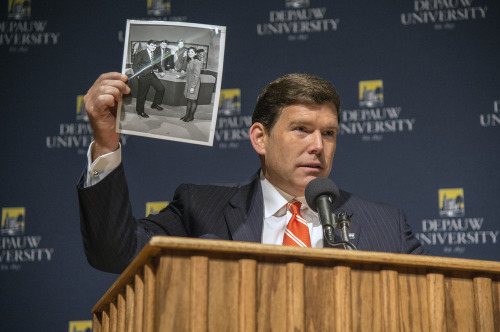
x=275, y=199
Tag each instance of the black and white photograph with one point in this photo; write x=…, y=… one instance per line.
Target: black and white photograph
x=175, y=72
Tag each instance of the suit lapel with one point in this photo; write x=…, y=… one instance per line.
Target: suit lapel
x=245, y=212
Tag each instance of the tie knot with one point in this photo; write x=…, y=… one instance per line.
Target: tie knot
x=294, y=206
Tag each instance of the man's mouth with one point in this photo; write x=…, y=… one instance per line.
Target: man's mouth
x=315, y=166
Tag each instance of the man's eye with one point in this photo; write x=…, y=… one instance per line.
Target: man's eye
x=330, y=133
x=300, y=129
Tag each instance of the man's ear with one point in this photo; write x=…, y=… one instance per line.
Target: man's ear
x=258, y=137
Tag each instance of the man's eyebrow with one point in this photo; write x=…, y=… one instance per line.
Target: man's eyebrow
x=299, y=122
x=307, y=122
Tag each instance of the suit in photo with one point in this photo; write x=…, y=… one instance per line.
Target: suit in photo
x=146, y=79
x=165, y=58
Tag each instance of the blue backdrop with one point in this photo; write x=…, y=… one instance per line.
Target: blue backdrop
x=420, y=88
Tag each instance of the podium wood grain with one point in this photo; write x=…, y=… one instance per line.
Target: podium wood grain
x=180, y=284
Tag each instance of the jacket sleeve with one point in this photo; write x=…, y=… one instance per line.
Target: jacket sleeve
x=112, y=237
x=136, y=65
x=410, y=244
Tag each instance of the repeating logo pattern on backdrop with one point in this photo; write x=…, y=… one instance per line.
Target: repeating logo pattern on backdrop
x=161, y=10
x=491, y=119
x=230, y=102
x=372, y=119
x=157, y=10
x=20, y=9
x=76, y=135
x=80, y=326
x=155, y=207
x=451, y=202
x=297, y=20
x=13, y=221
x=371, y=93
x=454, y=231
x=19, y=32
x=158, y=7
x=232, y=127
x=443, y=14
x=16, y=247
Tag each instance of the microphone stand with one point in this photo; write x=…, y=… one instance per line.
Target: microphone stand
x=342, y=221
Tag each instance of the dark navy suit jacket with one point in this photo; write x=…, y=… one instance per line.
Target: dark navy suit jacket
x=112, y=237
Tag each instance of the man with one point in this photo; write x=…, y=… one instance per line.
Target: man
x=294, y=128
x=200, y=53
x=165, y=56
x=145, y=62
x=181, y=57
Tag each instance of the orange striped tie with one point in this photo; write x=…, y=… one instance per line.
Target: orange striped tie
x=296, y=232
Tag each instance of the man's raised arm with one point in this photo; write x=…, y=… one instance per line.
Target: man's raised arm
x=101, y=104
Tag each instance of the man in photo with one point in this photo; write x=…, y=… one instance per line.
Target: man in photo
x=144, y=63
x=165, y=55
x=200, y=53
x=181, y=57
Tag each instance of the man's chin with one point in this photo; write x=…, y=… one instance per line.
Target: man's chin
x=308, y=179
x=312, y=174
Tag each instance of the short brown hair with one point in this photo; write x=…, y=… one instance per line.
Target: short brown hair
x=292, y=89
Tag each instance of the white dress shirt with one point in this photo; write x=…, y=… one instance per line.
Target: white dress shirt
x=276, y=214
x=102, y=166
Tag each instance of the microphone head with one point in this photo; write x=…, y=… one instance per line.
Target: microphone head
x=319, y=187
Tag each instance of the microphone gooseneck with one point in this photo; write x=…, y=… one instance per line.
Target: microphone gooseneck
x=321, y=195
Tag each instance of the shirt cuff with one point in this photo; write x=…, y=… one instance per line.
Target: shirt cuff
x=102, y=166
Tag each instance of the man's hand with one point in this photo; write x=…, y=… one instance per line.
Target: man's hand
x=101, y=104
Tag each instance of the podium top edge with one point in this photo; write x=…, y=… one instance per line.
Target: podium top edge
x=335, y=254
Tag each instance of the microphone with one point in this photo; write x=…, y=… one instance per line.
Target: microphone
x=321, y=196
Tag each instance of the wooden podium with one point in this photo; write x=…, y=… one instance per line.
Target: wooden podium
x=181, y=284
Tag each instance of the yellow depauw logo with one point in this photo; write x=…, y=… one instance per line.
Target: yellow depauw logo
x=371, y=93
x=158, y=7
x=155, y=207
x=451, y=202
x=296, y=3
x=80, y=326
x=230, y=101
x=81, y=113
x=19, y=9
x=13, y=222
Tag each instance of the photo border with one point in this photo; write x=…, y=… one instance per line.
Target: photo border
x=166, y=27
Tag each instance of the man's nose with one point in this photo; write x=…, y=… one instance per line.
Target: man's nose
x=316, y=145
